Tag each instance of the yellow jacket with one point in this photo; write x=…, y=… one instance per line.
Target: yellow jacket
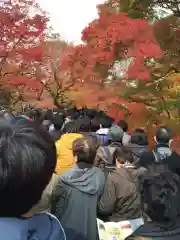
x=64, y=152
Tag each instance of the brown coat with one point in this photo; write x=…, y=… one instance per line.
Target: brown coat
x=121, y=198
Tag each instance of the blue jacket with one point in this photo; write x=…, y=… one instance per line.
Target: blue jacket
x=42, y=227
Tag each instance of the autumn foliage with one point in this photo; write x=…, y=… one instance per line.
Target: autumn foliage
x=130, y=32
x=110, y=38
x=36, y=66
x=22, y=27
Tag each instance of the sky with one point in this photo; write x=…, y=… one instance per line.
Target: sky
x=69, y=17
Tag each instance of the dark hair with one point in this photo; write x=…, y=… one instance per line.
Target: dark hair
x=139, y=138
x=48, y=115
x=27, y=162
x=123, y=124
x=85, y=124
x=36, y=115
x=160, y=190
x=164, y=135
x=71, y=127
x=58, y=122
x=95, y=124
x=85, y=150
x=106, y=122
x=123, y=155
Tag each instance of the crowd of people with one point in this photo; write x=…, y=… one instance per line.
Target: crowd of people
x=60, y=170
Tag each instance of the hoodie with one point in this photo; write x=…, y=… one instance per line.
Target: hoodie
x=64, y=152
x=42, y=227
x=76, y=197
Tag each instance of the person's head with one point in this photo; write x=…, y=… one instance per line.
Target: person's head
x=58, y=121
x=36, y=115
x=164, y=135
x=48, y=115
x=123, y=124
x=160, y=191
x=139, y=138
x=9, y=116
x=121, y=156
x=84, y=150
x=115, y=134
x=139, y=130
x=106, y=122
x=71, y=127
x=27, y=162
x=85, y=124
x=95, y=124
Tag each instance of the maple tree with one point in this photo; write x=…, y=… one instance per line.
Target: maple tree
x=151, y=80
x=22, y=24
x=113, y=37
x=54, y=81
x=160, y=94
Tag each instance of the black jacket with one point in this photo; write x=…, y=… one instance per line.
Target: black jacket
x=56, y=134
x=172, y=161
x=153, y=231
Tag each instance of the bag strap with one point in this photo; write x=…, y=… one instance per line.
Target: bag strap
x=109, y=155
x=155, y=156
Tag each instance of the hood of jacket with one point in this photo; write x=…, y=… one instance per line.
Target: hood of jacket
x=137, y=150
x=155, y=231
x=41, y=227
x=87, y=180
x=64, y=152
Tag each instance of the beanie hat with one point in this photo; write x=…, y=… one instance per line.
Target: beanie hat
x=115, y=133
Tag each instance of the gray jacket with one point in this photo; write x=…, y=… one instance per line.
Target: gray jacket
x=75, y=199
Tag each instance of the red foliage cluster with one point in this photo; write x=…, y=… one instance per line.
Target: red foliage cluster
x=22, y=25
x=114, y=37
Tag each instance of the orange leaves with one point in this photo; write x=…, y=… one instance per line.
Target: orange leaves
x=20, y=44
x=30, y=83
x=138, y=66
x=111, y=38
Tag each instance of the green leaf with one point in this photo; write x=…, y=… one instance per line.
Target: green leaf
x=120, y=106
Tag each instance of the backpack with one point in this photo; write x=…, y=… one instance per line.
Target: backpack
x=111, y=166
